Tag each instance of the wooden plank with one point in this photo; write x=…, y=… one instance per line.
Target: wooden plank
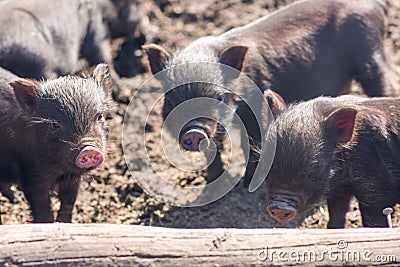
x=130, y=245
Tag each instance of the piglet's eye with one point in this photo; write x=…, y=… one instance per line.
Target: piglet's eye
x=221, y=98
x=100, y=117
x=55, y=125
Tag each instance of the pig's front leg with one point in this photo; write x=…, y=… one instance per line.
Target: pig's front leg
x=37, y=194
x=216, y=168
x=68, y=187
x=338, y=205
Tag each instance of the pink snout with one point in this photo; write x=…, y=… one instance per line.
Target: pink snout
x=281, y=210
x=194, y=140
x=89, y=157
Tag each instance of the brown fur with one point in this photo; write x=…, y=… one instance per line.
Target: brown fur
x=335, y=148
x=307, y=49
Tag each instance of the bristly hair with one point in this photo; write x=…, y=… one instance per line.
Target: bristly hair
x=38, y=120
x=79, y=100
x=196, y=63
x=298, y=139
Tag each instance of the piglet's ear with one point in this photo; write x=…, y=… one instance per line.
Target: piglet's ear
x=340, y=124
x=156, y=57
x=101, y=74
x=234, y=56
x=26, y=92
x=275, y=102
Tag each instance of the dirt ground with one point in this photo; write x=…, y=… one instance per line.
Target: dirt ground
x=111, y=194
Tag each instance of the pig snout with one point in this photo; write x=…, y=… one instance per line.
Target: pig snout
x=281, y=210
x=194, y=139
x=88, y=157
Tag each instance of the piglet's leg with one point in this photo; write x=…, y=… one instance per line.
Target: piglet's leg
x=372, y=216
x=252, y=160
x=250, y=139
x=215, y=169
x=250, y=169
x=67, y=191
x=338, y=205
x=37, y=195
x=374, y=77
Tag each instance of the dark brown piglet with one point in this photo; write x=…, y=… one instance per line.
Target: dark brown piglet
x=45, y=39
x=53, y=133
x=307, y=49
x=335, y=148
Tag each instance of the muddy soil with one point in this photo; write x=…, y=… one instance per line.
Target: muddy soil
x=112, y=194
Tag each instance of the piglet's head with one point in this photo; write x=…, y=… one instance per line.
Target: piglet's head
x=158, y=57
x=198, y=72
x=65, y=118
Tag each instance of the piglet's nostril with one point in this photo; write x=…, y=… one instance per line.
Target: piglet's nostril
x=89, y=157
x=188, y=142
x=281, y=210
x=287, y=214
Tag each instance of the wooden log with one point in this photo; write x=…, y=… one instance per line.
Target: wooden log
x=130, y=245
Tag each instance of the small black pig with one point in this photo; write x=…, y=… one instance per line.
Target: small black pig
x=307, y=49
x=335, y=148
x=44, y=39
x=52, y=133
